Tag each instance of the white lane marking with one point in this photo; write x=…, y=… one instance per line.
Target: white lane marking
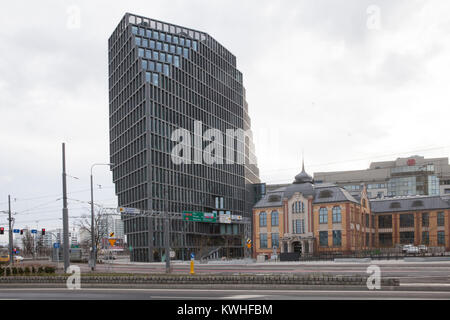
x=243, y=297
x=266, y=292
x=425, y=284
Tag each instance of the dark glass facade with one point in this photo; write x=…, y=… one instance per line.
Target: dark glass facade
x=164, y=77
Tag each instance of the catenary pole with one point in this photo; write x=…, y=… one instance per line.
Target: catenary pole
x=66, y=252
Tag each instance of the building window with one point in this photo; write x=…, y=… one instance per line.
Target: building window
x=337, y=218
x=263, y=240
x=425, y=219
x=385, y=239
x=425, y=237
x=337, y=238
x=298, y=226
x=407, y=220
x=440, y=219
x=275, y=240
x=263, y=219
x=275, y=219
x=323, y=215
x=323, y=238
x=441, y=237
x=155, y=79
x=407, y=237
x=385, y=221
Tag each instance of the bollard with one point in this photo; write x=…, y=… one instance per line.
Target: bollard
x=192, y=267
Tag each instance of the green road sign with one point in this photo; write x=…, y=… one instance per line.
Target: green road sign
x=199, y=216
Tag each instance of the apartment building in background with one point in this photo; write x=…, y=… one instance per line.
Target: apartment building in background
x=410, y=176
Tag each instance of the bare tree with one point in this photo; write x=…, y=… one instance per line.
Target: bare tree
x=100, y=228
x=28, y=244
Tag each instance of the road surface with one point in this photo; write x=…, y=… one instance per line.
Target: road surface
x=198, y=294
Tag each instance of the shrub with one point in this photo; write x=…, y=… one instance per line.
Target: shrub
x=49, y=269
x=40, y=270
x=2, y=271
x=27, y=270
x=33, y=269
x=8, y=271
x=20, y=270
x=14, y=270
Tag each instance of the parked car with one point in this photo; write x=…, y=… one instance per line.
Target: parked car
x=412, y=250
x=406, y=247
x=18, y=258
x=423, y=248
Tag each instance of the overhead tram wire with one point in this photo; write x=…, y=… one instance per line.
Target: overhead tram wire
x=18, y=199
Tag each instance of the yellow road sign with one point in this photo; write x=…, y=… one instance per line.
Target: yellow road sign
x=112, y=242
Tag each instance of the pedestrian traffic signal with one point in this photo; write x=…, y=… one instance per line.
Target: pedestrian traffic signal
x=2, y=230
x=43, y=232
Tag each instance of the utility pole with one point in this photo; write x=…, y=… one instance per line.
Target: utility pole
x=11, y=244
x=166, y=225
x=65, y=213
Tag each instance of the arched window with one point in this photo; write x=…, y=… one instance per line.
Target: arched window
x=337, y=218
x=323, y=215
x=296, y=207
x=263, y=219
x=274, y=217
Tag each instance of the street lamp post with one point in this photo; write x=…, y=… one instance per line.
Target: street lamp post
x=94, y=247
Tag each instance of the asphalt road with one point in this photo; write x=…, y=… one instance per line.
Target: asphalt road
x=197, y=294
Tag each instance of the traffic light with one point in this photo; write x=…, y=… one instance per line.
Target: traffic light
x=2, y=230
x=43, y=232
x=21, y=232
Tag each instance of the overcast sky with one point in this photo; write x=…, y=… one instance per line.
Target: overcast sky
x=347, y=82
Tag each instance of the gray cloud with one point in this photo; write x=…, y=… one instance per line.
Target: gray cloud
x=316, y=77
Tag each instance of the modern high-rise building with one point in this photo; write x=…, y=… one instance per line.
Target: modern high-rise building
x=410, y=176
x=162, y=78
